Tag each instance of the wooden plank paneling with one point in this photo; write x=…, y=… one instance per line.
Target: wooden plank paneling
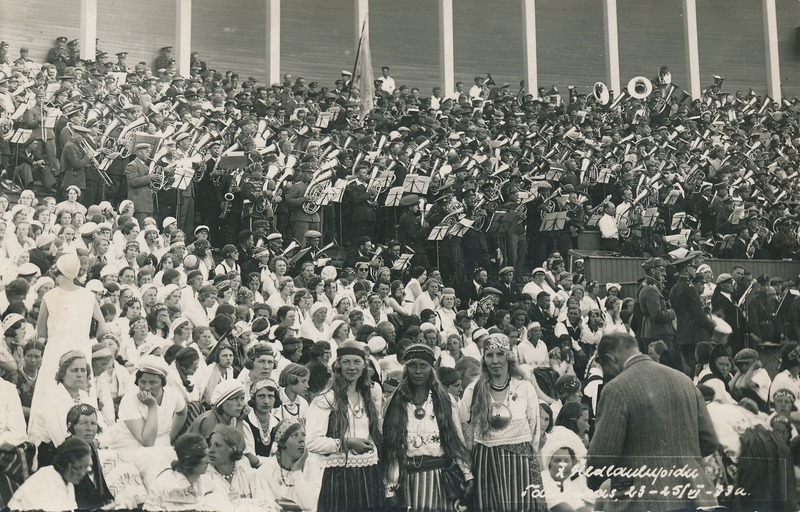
x=651, y=35
x=788, y=12
x=731, y=39
x=488, y=39
x=233, y=38
x=141, y=35
x=629, y=270
x=318, y=37
x=571, y=47
x=36, y=24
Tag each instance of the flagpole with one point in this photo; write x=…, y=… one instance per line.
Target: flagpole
x=355, y=64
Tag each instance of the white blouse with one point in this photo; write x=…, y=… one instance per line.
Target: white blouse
x=317, y=440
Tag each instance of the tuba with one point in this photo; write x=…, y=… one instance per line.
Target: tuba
x=315, y=190
x=601, y=93
x=640, y=87
x=125, y=138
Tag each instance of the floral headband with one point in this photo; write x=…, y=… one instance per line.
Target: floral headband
x=497, y=341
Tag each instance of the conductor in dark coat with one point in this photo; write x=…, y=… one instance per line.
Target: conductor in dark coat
x=694, y=324
x=649, y=415
x=657, y=318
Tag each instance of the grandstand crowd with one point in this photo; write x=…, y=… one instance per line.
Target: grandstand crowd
x=219, y=294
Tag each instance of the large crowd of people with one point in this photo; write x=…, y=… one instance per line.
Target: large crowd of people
x=224, y=295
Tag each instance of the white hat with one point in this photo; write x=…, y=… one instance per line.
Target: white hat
x=95, y=286
x=169, y=221
x=124, y=204
x=376, y=345
x=69, y=265
x=225, y=390
x=328, y=273
x=152, y=364
x=27, y=269
x=11, y=319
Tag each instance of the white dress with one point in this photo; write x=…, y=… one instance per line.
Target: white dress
x=68, y=323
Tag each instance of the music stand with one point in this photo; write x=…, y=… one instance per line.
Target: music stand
x=678, y=221
x=438, y=232
x=326, y=196
x=605, y=175
x=460, y=228
x=649, y=217
x=337, y=191
x=725, y=244
x=51, y=118
x=594, y=219
x=402, y=262
x=20, y=136
x=324, y=119
x=672, y=197
x=416, y=184
x=554, y=174
x=394, y=196
x=555, y=221
x=183, y=177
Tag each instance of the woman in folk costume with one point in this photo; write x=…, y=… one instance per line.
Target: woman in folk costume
x=344, y=428
x=500, y=418
x=426, y=460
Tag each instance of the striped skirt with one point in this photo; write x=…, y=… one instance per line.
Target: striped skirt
x=507, y=478
x=351, y=489
x=426, y=489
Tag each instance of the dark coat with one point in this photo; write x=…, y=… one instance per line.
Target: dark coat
x=694, y=325
x=656, y=317
x=139, y=190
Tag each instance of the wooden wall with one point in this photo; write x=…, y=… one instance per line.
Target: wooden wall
x=318, y=37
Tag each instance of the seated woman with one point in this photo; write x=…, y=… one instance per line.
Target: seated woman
x=53, y=487
x=185, y=486
x=232, y=475
x=182, y=376
x=260, y=422
x=47, y=428
x=227, y=407
x=111, y=479
x=219, y=368
x=284, y=473
x=563, y=492
x=152, y=414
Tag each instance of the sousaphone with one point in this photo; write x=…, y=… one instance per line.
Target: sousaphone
x=640, y=87
x=601, y=93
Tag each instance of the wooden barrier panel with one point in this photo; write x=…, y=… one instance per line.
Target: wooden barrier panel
x=605, y=267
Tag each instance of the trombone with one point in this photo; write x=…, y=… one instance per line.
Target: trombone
x=101, y=169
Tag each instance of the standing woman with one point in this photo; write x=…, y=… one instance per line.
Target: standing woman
x=344, y=429
x=65, y=305
x=500, y=418
x=426, y=460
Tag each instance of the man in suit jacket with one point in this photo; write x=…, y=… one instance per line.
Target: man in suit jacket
x=506, y=285
x=694, y=324
x=649, y=415
x=657, y=319
x=724, y=305
x=299, y=221
x=139, y=180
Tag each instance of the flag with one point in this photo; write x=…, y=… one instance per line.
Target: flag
x=362, y=76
